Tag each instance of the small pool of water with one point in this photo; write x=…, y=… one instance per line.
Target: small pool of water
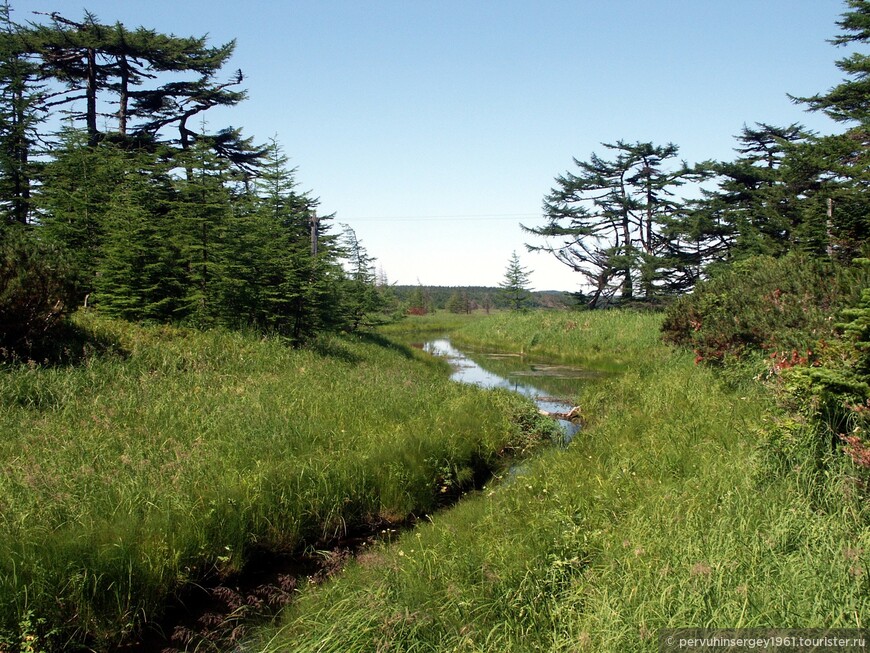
x=549, y=386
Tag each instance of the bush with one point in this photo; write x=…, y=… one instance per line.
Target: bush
x=811, y=319
x=37, y=289
x=783, y=307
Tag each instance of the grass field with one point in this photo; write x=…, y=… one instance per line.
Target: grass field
x=674, y=507
x=174, y=455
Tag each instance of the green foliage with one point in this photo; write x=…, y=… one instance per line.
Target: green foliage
x=458, y=302
x=618, y=224
x=778, y=307
x=37, y=289
x=20, y=98
x=835, y=394
x=810, y=320
x=598, y=339
x=515, y=286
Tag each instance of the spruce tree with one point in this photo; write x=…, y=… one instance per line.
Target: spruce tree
x=78, y=184
x=844, y=159
x=361, y=294
x=201, y=213
x=756, y=208
x=139, y=276
x=108, y=65
x=285, y=251
x=515, y=286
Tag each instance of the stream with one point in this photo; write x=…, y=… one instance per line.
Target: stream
x=549, y=385
x=209, y=616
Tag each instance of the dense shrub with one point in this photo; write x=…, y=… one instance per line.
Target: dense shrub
x=784, y=307
x=811, y=320
x=36, y=290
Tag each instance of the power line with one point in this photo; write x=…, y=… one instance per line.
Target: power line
x=427, y=218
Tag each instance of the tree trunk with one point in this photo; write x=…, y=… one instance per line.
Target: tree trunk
x=91, y=118
x=123, y=95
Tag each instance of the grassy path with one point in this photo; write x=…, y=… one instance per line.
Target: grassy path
x=671, y=509
x=183, y=453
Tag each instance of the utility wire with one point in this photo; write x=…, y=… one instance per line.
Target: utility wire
x=427, y=218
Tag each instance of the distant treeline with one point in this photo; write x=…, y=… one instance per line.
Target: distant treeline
x=115, y=193
x=461, y=299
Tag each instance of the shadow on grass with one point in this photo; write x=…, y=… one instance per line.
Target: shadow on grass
x=67, y=344
x=386, y=343
x=332, y=348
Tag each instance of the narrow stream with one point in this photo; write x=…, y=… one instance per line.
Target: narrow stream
x=553, y=387
x=207, y=617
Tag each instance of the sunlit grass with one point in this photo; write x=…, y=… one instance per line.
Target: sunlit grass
x=664, y=512
x=435, y=322
x=135, y=472
x=602, y=339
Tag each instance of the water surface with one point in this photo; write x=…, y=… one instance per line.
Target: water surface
x=550, y=386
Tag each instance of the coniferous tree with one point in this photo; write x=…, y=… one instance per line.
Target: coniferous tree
x=20, y=97
x=284, y=247
x=515, y=286
x=106, y=65
x=610, y=219
x=139, y=276
x=756, y=208
x=362, y=297
x=77, y=187
x=201, y=213
x=844, y=159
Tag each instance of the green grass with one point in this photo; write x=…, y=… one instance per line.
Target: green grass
x=598, y=339
x=669, y=509
x=436, y=322
x=178, y=455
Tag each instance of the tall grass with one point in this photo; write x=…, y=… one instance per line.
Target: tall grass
x=435, y=322
x=599, y=339
x=127, y=476
x=666, y=511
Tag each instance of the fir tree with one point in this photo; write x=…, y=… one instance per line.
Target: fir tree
x=139, y=276
x=201, y=213
x=610, y=218
x=843, y=160
x=78, y=184
x=20, y=97
x=362, y=297
x=515, y=286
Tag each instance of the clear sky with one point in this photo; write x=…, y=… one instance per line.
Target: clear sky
x=433, y=128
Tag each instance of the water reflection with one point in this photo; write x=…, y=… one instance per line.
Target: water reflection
x=553, y=384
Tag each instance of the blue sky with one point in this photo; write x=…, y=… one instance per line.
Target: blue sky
x=434, y=128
